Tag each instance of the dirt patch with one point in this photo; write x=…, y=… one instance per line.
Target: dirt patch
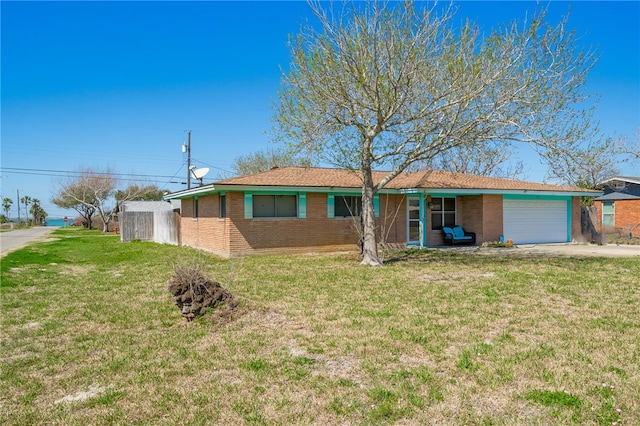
x=82, y=395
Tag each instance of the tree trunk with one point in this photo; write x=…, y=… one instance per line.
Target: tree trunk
x=369, y=246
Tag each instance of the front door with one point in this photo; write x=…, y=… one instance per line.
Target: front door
x=414, y=222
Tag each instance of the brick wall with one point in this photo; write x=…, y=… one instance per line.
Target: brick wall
x=236, y=235
x=481, y=214
x=208, y=231
x=626, y=215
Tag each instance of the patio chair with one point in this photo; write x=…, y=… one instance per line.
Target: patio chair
x=457, y=235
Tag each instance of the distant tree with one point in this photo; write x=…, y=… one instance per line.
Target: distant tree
x=261, y=161
x=588, y=165
x=488, y=158
x=135, y=192
x=26, y=200
x=6, y=206
x=631, y=145
x=88, y=194
x=380, y=86
x=38, y=214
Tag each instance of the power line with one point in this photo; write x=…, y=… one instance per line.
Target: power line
x=70, y=173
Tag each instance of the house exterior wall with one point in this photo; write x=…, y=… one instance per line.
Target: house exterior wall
x=207, y=231
x=481, y=214
x=629, y=188
x=235, y=235
x=626, y=216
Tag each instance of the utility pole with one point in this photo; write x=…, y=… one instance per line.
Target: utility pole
x=189, y=160
x=18, y=193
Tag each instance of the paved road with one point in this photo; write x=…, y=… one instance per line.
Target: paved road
x=13, y=240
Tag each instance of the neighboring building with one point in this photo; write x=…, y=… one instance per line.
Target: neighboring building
x=618, y=210
x=149, y=221
x=295, y=209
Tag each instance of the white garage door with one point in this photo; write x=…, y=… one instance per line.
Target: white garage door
x=535, y=221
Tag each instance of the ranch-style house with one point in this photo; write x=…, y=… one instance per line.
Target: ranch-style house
x=297, y=209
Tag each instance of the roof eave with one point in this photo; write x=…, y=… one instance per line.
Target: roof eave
x=218, y=188
x=621, y=178
x=479, y=191
x=190, y=193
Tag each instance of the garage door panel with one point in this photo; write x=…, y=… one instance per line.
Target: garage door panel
x=535, y=221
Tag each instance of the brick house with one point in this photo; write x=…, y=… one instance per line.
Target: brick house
x=618, y=210
x=295, y=209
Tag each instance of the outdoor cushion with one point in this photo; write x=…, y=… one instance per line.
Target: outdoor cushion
x=458, y=232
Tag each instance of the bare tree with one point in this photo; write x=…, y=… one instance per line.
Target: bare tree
x=586, y=165
x=88, y=194
x=382, y=86
x=631, y=146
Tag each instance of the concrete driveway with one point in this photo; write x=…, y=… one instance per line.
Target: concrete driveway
x=607, y=250
x=550, y=250
x=18, y=238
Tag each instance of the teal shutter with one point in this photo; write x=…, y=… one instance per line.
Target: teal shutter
x=376, y=205
x=331, y=206
x=248, y=205
x=302, y=205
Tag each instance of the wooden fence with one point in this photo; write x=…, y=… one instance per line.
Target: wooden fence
x=157, y=226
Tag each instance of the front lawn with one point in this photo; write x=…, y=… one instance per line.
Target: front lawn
x=90, y=335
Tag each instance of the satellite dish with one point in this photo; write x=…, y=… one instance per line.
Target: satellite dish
x=200, y=173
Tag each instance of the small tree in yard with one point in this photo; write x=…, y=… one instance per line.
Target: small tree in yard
x=382, y=86
x=87, y=194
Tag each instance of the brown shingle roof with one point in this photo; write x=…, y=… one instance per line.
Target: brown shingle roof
x=425, y=179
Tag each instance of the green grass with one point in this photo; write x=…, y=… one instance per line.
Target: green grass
x=90, y=335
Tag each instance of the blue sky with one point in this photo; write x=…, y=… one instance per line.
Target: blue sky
x=117, y=85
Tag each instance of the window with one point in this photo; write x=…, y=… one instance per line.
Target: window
x=347, y=206
x=223, y=206
x=275, y=206
x=195, y=208
x=608, y=212
x=443, y=212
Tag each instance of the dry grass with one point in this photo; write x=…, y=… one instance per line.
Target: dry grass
x=90, y=335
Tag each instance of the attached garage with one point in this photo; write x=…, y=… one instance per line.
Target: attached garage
x=536, y=221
